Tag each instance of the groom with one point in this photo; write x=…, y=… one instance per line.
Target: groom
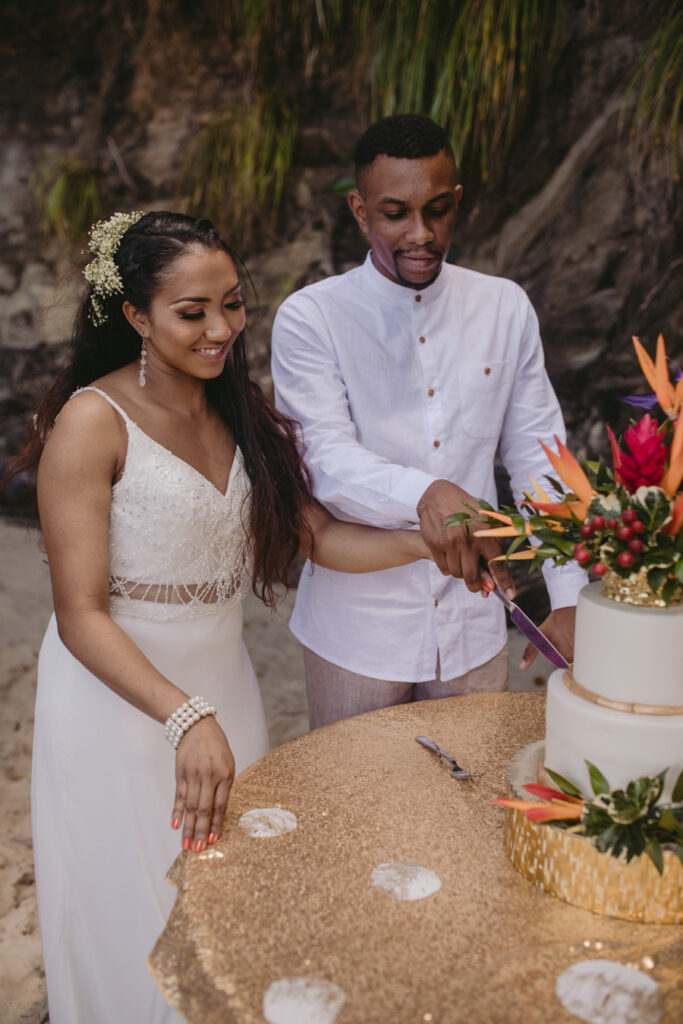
x=406, y=374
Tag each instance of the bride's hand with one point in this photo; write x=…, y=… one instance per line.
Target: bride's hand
x=205, y=770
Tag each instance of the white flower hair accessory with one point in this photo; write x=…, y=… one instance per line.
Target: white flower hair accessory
x=102, y=273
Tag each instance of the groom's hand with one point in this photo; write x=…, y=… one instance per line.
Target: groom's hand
x=455, y=549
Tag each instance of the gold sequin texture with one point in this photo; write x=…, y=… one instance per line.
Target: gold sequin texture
x=569, y=866
x=364, y=792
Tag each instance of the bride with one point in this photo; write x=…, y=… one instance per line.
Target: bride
x=167, y=485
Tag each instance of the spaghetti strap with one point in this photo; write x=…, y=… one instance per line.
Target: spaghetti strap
x=124, y=415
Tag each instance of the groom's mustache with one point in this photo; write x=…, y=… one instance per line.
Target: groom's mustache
x=418, y=252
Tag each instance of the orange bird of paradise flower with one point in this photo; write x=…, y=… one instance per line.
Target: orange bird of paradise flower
x=673, y=527
x=656, y=373
x=673, y=476
x=570, y=472
x=553, y=806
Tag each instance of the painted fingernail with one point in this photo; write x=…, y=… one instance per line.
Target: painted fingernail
x=212, y=838
x=187, y=843
x=175, y=823
x=198, y=846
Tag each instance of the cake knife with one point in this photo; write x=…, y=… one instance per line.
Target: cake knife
x=527, y=627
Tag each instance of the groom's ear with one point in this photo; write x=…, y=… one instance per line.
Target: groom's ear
x=357, y=207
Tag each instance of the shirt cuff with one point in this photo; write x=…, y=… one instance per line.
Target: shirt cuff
x=564, y=583
x=410, y=488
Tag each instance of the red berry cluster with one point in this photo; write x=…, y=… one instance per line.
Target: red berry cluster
x=627, y=530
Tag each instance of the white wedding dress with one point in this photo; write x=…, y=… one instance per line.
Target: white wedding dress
x=103, y=773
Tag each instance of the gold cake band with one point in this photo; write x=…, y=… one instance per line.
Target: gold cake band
x=619, y=705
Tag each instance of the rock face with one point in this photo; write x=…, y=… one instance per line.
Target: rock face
x=583, y=218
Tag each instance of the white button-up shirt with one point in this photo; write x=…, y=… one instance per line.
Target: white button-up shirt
x=395, y=388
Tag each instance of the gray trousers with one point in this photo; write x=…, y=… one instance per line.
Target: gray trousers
x=335, y=693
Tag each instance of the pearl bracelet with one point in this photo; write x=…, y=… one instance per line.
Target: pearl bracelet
x=184, y=717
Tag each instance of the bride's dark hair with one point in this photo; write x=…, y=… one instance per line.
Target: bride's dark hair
x=280, y=487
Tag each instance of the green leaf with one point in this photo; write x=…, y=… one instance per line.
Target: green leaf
x=555, y=484
x=656, y=578
x=457, y=518
x=669, y=824
x=562, y=783
x=343, y=185
x=545, y=551
x=679, y=851
x=598, y=781
x=678, y=569
x=565, y=546
x=677, y=795
x=517, y=542
x=654, y=852
x=669, y=590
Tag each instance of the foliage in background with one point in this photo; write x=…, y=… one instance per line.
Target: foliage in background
x=470, y=66
x=67, y=197
x=293, y=35
x=658, y=84
x=235, y=169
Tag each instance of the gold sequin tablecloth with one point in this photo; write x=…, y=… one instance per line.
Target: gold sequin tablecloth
x=486, y=948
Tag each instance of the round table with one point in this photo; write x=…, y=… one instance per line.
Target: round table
x=486, y=948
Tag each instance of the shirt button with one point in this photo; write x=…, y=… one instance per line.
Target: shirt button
x=487, y=370
x=437, y=444
x=418, y=298
x=422, y=340
x=436, y=602
x=430, y=392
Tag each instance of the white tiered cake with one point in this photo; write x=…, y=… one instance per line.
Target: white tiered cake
x=621, y=705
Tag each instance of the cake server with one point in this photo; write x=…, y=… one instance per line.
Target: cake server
x=529, y=629
x=456, y=771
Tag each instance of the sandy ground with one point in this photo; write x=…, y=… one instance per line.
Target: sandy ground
x=25, y=607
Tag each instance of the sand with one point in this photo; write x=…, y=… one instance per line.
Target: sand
x=25, y=607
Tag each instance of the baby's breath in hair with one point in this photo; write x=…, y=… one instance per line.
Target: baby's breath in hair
x=102, y=272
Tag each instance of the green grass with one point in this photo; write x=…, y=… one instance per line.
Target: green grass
x=470, y=66
x=236, y=168
x=67, y=197
x=657, y=85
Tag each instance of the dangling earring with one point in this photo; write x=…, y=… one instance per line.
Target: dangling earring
x=143, y=360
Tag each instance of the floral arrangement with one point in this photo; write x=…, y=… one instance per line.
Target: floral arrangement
x=625, y=519
x=622, y=822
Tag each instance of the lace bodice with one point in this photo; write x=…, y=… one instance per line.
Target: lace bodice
x=178, y=548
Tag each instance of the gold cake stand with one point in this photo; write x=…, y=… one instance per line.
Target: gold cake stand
x=568, y=866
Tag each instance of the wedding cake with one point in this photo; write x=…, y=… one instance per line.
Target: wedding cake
x=620, y=706
x=608, y=835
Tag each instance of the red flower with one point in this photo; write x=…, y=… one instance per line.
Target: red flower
x=646, y=463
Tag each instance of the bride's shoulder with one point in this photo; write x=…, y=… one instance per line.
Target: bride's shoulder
x=89, y=419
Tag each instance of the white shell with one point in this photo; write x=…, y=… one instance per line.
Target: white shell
x=607, y=992
x=405, y=881
x=264, y=822
x=302, y=1001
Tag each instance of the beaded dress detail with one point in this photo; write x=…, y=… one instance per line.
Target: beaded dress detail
x=161, y=567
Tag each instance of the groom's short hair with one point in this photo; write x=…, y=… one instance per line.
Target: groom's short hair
x=406, y=136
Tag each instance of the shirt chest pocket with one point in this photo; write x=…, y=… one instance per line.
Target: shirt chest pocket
x=484, y=389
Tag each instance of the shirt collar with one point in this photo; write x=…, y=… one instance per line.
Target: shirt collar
x=398, y=294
